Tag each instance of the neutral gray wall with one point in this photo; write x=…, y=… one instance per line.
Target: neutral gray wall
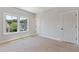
x=16, y=11
x=49, y=23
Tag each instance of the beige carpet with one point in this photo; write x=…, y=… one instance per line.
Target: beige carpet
x=38, y=44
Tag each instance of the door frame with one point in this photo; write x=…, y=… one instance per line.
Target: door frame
x=76, y=24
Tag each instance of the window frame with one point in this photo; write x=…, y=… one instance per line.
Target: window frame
x=18, y=23
x=27, y=24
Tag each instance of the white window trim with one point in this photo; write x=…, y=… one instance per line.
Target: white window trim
x=27, y=24
x=18, y=23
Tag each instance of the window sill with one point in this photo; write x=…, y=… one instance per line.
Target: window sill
x=10, y=33
x=14, y=32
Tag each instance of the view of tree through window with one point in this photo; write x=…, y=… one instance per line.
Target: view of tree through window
x=11, y=23
x=23, y=24
x=15, y=23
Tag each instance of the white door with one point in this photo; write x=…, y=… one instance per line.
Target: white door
x=70, y=27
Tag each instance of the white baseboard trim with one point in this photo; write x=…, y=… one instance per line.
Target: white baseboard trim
x=44, y=35
x=17, y=38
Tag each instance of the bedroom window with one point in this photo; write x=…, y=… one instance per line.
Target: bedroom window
x=15, y=24
x=23, y=24
x=11, y=23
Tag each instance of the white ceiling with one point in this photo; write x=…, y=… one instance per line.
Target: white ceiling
x=35, y=9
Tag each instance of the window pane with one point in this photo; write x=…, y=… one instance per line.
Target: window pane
x=11, y=23
x=23, y=24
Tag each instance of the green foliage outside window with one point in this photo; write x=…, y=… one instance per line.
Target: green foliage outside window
x=12, y=25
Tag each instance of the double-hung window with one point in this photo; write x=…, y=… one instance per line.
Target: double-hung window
x=23, y=24
x=15, y=23
x=11, y=23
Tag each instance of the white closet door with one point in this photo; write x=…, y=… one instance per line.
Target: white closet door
x=70, y=27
